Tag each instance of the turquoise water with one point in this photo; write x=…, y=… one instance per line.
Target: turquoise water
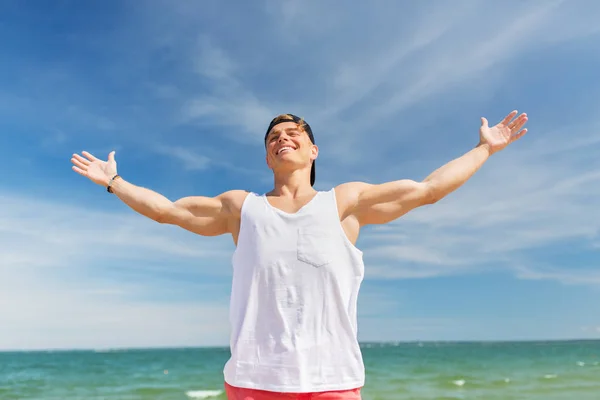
x=503, y=371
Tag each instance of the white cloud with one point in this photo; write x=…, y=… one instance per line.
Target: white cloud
x=191, y=161
x=82, y=117
x=53, y=233
x=515, y=204
x=77, y=318
x=357, y=88
x=445, y=51
x=565, y=275
x=591, y=329
x=241, y=110
x=349, y=70
x=355, y=79
x=56, y=266
x=228, y=102
x=213, y=63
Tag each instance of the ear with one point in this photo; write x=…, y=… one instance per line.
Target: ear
x=314, y=152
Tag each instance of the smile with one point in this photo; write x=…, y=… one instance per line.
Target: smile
x=284, y=149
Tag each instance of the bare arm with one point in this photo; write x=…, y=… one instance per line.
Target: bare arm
x=378, y=204
x=382, y=203
x=207, y=216
x=454, y=174
x=143, y=201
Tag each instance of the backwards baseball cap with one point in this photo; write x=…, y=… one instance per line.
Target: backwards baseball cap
x=292, y=118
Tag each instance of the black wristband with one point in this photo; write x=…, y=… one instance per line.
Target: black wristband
x=108, y=189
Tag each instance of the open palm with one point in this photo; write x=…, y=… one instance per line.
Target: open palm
x=98, y=171
x=504, y=133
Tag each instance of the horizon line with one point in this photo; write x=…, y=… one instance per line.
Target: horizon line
x=226, y=347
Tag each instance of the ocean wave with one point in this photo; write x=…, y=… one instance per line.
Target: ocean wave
x=203, y=394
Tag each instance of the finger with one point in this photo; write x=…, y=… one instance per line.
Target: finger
x=111, y=156
x=80, y=171
x=88, y=155
x=509, y=117
x=518, y=135
x=85, y=161
x=518, y=123
x=79, y=164
x=518, y=119
x=484, y=122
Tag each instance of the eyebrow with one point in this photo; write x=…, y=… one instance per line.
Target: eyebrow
x=276, y=131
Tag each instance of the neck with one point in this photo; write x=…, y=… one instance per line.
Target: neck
x=292, y=184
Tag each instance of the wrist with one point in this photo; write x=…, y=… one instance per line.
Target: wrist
x=484, y=147
x=111, y=182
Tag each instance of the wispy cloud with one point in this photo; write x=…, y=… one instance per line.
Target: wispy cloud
x=593, y=329
x=81, y=117
x=227, y=103
x=190, y=160
x=349, y=95
x=57, y=233
x=392, y=92
x=568, y=275
x=50, y=252
x=445, y=58
x=109, y=320
x=463, y=47
x=515, y=205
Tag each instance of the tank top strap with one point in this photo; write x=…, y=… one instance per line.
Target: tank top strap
x=328, y=206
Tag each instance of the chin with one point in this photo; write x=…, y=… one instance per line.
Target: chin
x=291, y=156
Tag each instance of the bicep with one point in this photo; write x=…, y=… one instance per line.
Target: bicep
x=206, y=216
x=383, y=203
x=382, y=213
x=205, y=226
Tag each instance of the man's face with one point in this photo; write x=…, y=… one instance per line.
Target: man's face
x=287, y=143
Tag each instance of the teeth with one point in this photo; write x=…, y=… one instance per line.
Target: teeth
x=284, y=148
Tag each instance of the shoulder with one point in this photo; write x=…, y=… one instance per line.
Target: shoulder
x=234, y=195
x=233, y=200
x=350, y=191
x=348, y=194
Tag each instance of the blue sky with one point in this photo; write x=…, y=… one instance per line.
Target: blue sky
x=183, y=92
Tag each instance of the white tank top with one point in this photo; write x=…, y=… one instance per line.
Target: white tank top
x=296, y=279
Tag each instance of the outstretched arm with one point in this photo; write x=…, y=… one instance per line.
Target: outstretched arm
x=378, y=204
x=207, y=216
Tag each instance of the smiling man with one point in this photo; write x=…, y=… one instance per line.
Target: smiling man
x=296, y=269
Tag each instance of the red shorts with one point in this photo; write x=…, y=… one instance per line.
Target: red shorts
x=236, y=393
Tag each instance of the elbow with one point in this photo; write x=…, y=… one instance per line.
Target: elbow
x=431, y=195
x=161, y=215
x=160, y=218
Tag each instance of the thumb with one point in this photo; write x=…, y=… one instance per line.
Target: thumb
x=111, y=156
x=484, y=122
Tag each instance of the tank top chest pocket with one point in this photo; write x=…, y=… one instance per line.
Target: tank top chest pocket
x=314, y=246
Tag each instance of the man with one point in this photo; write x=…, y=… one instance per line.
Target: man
x=296, y=270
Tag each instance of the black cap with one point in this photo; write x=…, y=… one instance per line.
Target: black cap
x=298, y=120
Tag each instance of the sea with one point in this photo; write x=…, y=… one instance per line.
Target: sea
x=534, y=370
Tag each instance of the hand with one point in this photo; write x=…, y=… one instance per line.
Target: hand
x=504, y=133
x=96, y=170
